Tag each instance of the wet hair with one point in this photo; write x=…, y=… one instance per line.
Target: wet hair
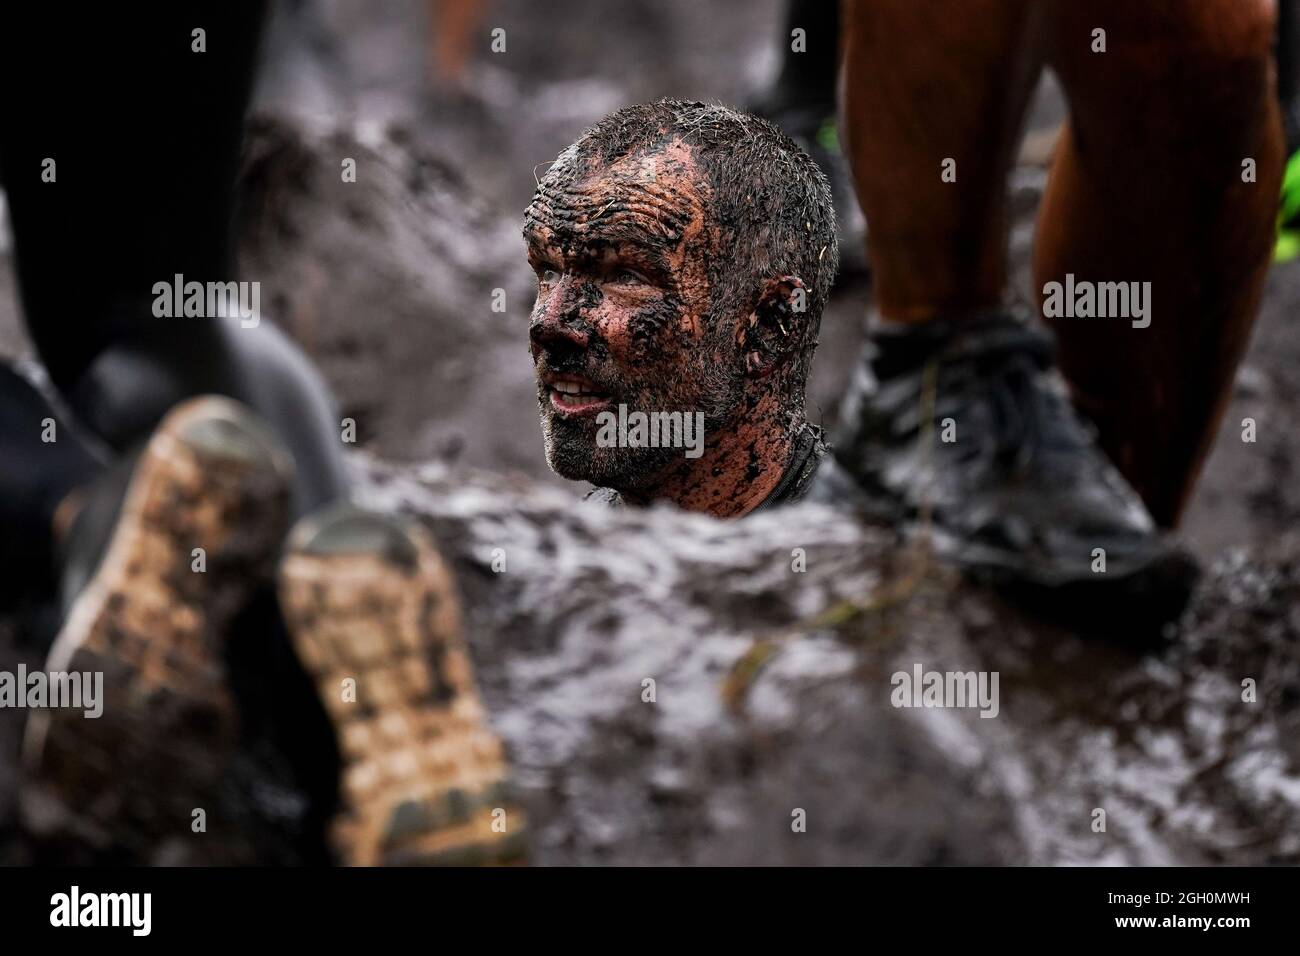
x=769, y=201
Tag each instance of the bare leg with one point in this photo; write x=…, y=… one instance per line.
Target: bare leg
x=451, y=23
x=1147, y=186
x=925, y=82
x=1002, y=463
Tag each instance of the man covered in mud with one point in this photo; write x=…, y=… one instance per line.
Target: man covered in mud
x=684, y=253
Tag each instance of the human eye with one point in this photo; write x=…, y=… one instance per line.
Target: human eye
x=627, y=276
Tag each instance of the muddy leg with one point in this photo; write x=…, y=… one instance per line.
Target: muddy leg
x=1147, y=186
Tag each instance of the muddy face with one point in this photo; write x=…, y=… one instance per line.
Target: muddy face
x=622, y=255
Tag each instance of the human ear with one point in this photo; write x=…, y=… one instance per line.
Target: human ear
x=774, y=328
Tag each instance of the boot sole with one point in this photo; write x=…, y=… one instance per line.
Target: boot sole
x=373, y=615
x=210, y=477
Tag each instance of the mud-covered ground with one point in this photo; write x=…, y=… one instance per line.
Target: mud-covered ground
x=389, y=283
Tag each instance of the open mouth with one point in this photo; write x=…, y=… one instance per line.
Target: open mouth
x=575, y=396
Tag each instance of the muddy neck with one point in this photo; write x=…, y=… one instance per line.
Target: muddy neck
x=739, y=468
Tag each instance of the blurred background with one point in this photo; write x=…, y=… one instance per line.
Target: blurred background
x=389, y=282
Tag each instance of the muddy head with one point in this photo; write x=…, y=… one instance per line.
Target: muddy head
x=683, y=254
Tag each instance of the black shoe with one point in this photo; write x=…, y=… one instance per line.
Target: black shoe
x=970, y=423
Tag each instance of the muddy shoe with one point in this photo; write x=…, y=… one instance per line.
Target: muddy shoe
x=196, y=528
x=970, y=422
x=374, y=617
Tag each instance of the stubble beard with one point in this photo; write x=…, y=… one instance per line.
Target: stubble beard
x=572, y=451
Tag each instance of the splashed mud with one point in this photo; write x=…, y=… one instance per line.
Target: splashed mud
x=593, y=603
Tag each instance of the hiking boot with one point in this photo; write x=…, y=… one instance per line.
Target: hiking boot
x=164, y=562
x=970, y=424
x=373, y=615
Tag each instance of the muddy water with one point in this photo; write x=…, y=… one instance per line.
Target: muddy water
x=771, y=696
